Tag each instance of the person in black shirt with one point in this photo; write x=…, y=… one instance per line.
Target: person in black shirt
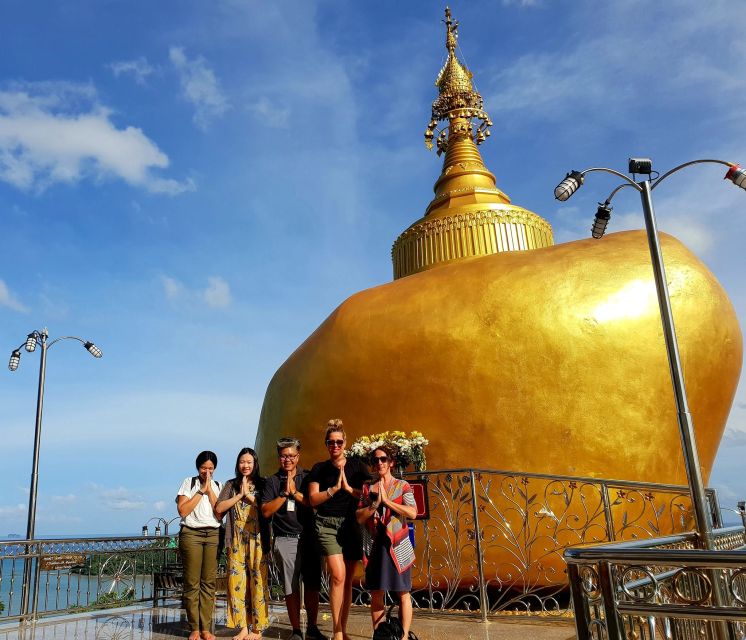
x=334, y=489
x=295, y=550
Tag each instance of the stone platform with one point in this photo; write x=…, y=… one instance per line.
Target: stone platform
x=168, y=622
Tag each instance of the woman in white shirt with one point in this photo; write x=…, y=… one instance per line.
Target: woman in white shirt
x=198, y=544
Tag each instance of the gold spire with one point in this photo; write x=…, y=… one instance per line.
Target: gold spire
x=457, y=97
x=469, y=216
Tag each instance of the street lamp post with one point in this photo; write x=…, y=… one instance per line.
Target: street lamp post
x=32, y=340
x=159, y=521
x=643, y=166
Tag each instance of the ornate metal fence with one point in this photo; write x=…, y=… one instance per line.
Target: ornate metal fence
x=494, y=542
x=664, y=588
x=72, y=575
x=495, y=539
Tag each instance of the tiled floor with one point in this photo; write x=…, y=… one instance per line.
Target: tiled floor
x=165, y=623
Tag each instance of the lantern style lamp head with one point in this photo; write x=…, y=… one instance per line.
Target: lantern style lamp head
x=145, y=530
x=158, y=529
x=15, y=360
x=742, y=506
x=93, y=350
x=737, y=176
x=603, y=214
x=568, y=186
x=31, y=342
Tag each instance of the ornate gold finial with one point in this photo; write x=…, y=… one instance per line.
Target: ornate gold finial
x=457, y=97
x=451, y=32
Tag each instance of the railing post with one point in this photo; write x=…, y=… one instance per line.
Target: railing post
x=613, y=621
x=428, y=563
x=607, y=511
x=579, y=603
x=485, y=605
x=37, y=582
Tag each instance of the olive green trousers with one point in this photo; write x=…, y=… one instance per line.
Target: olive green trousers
x=199, y=557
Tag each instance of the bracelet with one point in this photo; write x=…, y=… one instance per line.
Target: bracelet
x=329, y=492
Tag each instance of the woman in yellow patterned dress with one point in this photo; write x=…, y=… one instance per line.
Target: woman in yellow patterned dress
x=245, y=543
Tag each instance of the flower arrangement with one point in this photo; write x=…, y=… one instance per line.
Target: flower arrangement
x=410, y=448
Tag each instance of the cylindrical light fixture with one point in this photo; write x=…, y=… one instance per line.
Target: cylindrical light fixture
x=737, y=176
x=15, y=359
x=93, y=350
x=30, y=342
x=603, y=214
x=158, y=529
x=568, y=186
x=145, y=530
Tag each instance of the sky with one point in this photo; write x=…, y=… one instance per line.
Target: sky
x=194, y=186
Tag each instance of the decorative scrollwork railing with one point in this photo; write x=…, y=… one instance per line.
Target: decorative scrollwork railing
x=495, y=539
x=663, y=588
x=72, y=575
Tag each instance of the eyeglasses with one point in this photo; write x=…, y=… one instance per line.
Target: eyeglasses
x=290, y=456
x=377, y=459
x=334, y=443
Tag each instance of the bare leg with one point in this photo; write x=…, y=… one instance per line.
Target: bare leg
x=194, y=635
x=350, y=566
x=311, y=601
x=243, y=634
x=405, y=612
x=292, y=602
x=337, y=579
x=377, y=608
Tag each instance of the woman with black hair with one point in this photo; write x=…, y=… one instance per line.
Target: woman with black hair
x=245, y=544
x=198, y=544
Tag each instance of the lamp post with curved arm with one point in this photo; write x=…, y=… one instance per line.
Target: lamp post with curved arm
x=159, y=521
x=32, y=340
x=643, y=166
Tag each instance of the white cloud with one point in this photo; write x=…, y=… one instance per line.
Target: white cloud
x=160, y=505
x=172, y=288
x=591, y=83
x=68, y=499
x=13, y=510
x=119, y=498
x=199, y=86
x=8, y=299
x=521, y=3
x=58, y=133
x=139, y=69
x=271, y=114
x=216, y=295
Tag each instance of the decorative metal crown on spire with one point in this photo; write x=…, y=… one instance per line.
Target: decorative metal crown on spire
x=457, y=97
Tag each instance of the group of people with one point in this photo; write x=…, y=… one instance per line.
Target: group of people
x=339, y=511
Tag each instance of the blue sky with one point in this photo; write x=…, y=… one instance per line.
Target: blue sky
x=195, y=185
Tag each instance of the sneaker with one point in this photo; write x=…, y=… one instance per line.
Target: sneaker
x=314, y=633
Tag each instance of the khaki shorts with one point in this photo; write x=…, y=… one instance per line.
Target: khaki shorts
x=296, y=557
x=339, y=536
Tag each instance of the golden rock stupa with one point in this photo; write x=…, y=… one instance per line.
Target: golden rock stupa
x=507, y=351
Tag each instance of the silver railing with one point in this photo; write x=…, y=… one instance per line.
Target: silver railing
x=73, y=575
x=661, y=589
x=494, y=542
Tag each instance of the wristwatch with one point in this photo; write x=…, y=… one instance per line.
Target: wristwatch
x=284, y=494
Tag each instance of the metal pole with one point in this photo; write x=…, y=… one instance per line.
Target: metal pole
x=686, y=426
x=484, y=602
x=31, y=524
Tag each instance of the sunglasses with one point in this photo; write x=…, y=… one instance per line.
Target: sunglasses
x=377, y=459
x=334, y=443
